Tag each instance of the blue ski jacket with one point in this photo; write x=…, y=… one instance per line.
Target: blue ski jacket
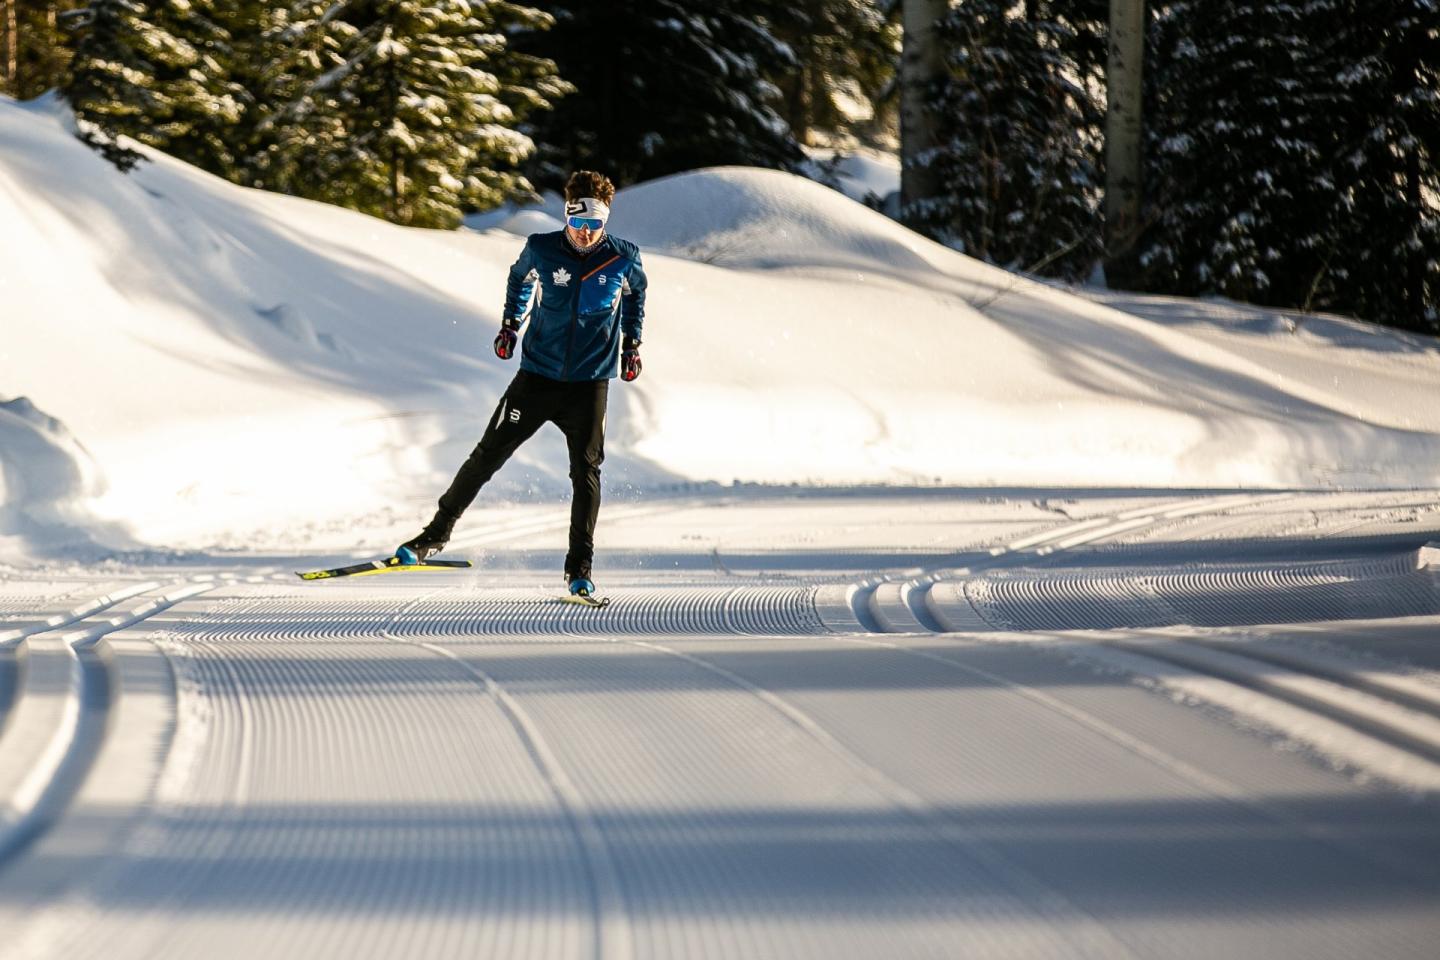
x=582, y=305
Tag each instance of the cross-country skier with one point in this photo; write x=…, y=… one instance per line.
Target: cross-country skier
x=588, y=289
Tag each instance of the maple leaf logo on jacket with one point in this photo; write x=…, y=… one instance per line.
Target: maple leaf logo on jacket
x=561, y=277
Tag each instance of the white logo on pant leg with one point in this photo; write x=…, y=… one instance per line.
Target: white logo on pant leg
x=515, y=415
x=561, y=277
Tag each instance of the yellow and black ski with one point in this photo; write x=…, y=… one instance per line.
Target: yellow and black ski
x=585, y=600
x=388, y=565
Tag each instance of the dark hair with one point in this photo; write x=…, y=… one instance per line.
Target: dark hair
x=588, y=183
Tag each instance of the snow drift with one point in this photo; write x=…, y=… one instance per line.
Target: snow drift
x=247, y=369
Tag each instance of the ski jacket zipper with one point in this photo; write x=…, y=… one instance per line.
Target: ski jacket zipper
x=574, y=321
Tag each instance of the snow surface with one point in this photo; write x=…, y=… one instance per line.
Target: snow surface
x=812, y=724
x=247, y=368
x=1017, y=641
x=861, y=173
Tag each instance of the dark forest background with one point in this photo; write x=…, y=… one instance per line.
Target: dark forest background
x=1288, y=150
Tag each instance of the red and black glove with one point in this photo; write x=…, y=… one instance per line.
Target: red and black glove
x=505, y=340
x=629, y=359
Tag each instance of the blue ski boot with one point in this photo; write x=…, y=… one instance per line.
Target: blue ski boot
x=582, y=591
x=429, y=542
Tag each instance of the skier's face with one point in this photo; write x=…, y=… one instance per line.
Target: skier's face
x=584, y=230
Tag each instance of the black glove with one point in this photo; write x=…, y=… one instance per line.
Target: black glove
x=505, y=340
x=629, y=359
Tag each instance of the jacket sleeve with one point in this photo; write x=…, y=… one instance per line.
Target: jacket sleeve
x=632, y=301
x=520, y=287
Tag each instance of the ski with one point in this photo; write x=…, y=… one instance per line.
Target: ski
x=388, y=565
x=585, y=600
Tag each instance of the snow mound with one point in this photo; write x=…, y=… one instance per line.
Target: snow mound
x=740, y=217
x=46, y=479
x=522, y=220
x=862, y=174
x=256, y=371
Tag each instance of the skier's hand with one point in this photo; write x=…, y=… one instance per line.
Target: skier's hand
x=505, y=342
x=629, y=359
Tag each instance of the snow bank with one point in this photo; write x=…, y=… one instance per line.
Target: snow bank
x=251, y=370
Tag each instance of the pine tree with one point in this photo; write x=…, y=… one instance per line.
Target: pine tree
x=1293, y=147
x=1019, y=150
x=1388, y=170
x=154, y=70
x=845, y=54
x=1241, y=187
x=405, y=109
x=664, y=86
x=33, y=55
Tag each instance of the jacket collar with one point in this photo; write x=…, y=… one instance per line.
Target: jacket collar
x=571, y=249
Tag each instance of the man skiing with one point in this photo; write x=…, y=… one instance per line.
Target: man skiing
x=588, y=293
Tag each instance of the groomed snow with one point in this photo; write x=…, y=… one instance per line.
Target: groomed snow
x=250, y=369
x=1013, y=716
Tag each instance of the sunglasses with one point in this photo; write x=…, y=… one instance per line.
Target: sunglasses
x=586, y=223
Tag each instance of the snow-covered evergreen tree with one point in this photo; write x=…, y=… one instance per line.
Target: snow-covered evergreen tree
x=156, y=70
x=664, y=85
x=1293, y=152
x=1019, y=149
x=1389, y=167
x=846, y=52
x=1242, y=131
x=33, y=54
x=407, y=109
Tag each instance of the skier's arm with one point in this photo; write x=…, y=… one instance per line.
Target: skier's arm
x=519, y=288
x=632, y=301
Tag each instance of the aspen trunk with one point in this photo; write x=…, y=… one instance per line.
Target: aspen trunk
x=10, y=82
x=1124, y=82
x=922, y=61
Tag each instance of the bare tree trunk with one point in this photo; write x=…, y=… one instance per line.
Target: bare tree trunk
x=1414, y=194
x=11, y=80
x=922, y=61
x=1124, y=82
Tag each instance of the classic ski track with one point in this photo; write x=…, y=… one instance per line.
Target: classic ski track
x=90, y=607
x=750, y=611
x=612, y=938
x=1295, y=594
x=117, y=794
x=56, y=743
x=1280, y=593
x=1200, y=779
x=1416, y=688
x=21, y=597
x=1094, y=938
x=243, y=727
x=763, y=610
x=1406, y=741
x=1372, y=730
x=913, y=608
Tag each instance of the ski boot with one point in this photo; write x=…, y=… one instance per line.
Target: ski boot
x=429, y=542
x=582, y=592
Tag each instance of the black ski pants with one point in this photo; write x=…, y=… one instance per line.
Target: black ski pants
x=531, y=401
